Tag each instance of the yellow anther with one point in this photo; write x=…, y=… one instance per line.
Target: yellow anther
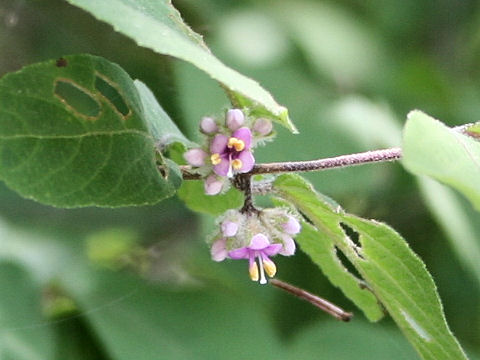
x=269, y=267
x=215, y=159
x=237, y=164
x=253, y=270
x=238, y=144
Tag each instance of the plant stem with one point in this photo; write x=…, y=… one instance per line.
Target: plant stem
x=315, y=300
x=329, y=163
x=341, y=161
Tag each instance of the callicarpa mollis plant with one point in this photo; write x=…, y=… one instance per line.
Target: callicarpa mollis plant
x=79, y=131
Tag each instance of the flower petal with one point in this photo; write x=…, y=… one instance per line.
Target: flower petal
x=292, y=226
x=242, y=253
x=247, y=159
x=272, y=249
x=218, y=250
x=229, y=228
x=212, y=185
x=219, y=144
x=223, y=168
x=288, y=246
x=259, y=242
x=195, y=157
x=245, y=135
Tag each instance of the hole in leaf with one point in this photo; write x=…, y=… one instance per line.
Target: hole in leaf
x=112, y=95
x=352, y=234
x=61, y=62
x=347, y=264
x=76, y=98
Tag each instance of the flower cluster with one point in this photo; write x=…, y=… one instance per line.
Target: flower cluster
x=256, y=237
x=228, y=148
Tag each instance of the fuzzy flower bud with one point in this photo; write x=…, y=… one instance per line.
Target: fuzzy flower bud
x=234, y=119
x=208, y=125
x=196, y=157
x=213, y=185
x=263, y=126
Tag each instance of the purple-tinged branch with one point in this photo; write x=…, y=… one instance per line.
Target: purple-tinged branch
x=342, y=161
x=315, y=300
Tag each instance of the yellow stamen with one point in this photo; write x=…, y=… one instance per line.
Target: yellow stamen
x=238, y=144
x=215, y=159
x=237, y=164
x=253, y=270
x=269, y=267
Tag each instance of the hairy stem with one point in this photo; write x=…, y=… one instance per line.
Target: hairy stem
x=342, y=161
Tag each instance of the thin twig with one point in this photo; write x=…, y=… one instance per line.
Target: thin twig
x=315, y=300
x=329, y=163
x=342, y=161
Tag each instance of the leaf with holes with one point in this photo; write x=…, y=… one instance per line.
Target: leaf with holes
x=157, y=25
x=391, y=270
x=73, y=133
x=430, y=148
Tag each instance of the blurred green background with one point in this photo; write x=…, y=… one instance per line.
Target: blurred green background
x=137, y=283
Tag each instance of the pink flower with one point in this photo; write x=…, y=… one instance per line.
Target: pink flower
x=260, y=249
x=232, y=154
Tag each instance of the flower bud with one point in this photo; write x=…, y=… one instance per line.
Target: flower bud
x=229, y=228
x=263, y=126
x=212, y=185
x=208, y=125
x=195, y=157
x=218, y=250
x=292, y=226
x=234, y=119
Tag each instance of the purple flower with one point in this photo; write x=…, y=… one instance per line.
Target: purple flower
x=232, y=154
x=260, y=249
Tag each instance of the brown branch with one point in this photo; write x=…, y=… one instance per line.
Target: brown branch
x=315, y=300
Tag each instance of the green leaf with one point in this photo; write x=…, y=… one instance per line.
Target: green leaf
x=193, y=194
x=142, y=321
x=21, y=319
x=457, y=219
x=73, y=133
x=320, y=247
x=391, y=270
x=158, y=25
x=161, y=127
x=430, y=148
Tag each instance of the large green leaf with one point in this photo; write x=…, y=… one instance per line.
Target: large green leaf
x=73, y=133
x=430, y=148
x=389, y=267
x=156, y=24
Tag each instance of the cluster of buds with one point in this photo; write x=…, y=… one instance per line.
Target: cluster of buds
x=228, y=148
x=256, y=236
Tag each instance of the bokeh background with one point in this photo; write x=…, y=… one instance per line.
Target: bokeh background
x=137, y=283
